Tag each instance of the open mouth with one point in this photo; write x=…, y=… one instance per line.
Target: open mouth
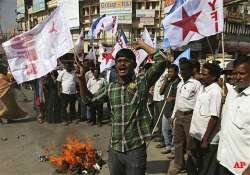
x=123, y=70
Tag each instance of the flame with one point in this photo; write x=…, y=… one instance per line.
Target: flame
x=74, y=153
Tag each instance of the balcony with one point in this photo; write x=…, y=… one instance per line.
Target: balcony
x=52, y=4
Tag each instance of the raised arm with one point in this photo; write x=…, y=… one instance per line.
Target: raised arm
x=140, y=44
x=160, y=61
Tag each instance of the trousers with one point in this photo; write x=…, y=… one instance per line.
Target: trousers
x=129, y=163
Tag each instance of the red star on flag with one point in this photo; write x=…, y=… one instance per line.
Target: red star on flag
x=187, y=23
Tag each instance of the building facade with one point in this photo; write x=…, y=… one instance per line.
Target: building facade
x=134, y=16
x=237, y=27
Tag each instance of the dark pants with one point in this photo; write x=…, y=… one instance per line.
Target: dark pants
x=96, y=111
x=202, y=162
x=158, y=106
x=68, y=99
x=82, y=109
x=129, y=163
x=181, y=137
x=224, y=171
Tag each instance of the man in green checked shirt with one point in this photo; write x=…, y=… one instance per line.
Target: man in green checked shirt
x=130, y=121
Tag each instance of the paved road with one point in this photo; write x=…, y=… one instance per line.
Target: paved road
x=27, y=139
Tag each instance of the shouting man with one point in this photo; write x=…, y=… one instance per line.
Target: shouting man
x=128, y=98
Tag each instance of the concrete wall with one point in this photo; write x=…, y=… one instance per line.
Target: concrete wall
x=7, y=14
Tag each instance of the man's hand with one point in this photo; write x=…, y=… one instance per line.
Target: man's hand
x=171, y=122
x=139, y=44
x=151, y=91
x=169, y=99
x=204, y=145
x=82, y=70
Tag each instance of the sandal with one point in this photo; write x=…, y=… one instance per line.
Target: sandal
x=40, y=119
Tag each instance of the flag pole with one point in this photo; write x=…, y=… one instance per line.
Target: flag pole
x=93, y=50
x=76, y=58
x=224, y=88
x=210, y=47
x=223, y=50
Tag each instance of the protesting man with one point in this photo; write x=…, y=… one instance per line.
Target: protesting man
x=234, y=145
x=205, y=124
x=94, y=85
x=67, y=88
x=169, y=89
x=130, y=121
x=183, y=110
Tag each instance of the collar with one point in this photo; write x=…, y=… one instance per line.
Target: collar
x=132, y=81
x=246, y=91
x=98, y=78
x=191, y=80
x=209, y=87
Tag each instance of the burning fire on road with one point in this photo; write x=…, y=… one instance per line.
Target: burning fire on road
x=77, y=158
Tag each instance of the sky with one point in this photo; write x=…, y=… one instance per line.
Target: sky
x=7, y=14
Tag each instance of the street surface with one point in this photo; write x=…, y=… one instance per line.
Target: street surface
x=22, y=142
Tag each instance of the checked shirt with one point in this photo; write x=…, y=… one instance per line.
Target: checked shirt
x=129, y=117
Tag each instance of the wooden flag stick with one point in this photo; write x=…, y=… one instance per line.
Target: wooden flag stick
x=224, y=87
x=223, y=50
x=76, y=58
x=93, y=50
x=210, y=47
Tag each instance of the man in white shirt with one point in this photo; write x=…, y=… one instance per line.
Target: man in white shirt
x=185, y=100
x=205, y=124
x=67, y=88
x=94, y=84
x=158, y=103
x=234, y=144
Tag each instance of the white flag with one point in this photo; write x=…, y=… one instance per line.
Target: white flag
x=109, y=24
x=146, y=37
x=193, y=20
x=79, y=46
x=107, y=60
x=141, y=54
x=91, y=54
x=34, y=53
x=101, y=51
x=155, y=41
x=103, y=23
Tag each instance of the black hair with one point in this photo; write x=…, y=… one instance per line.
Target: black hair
x=195, y=64
x=175, y=67
x=183, y=60
x=185, y=64
x=214, y=69
x=241, y=60
x=128, y=53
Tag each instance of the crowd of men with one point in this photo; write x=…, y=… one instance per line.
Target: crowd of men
x=204, y=122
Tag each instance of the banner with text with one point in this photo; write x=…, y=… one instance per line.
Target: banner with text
x=120, y=8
